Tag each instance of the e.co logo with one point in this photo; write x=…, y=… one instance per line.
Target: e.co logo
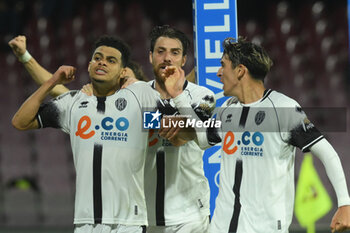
x=107, y=123
x=256, y=138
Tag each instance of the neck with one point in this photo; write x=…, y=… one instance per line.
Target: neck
x=251, y=92
x=103, y=89
x=160, y=87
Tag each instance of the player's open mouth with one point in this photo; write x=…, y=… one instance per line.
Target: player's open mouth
x=100, y=72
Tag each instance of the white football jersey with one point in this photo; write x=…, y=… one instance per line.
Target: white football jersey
x=256, y=191
x=176, y=188
x=109, y=147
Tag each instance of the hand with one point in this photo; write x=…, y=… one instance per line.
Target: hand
x=126, y=81
x=341, y=219
x=174, y=78
x=18, y=45
x=64, y=75
x=171, y=132
x=87, y=89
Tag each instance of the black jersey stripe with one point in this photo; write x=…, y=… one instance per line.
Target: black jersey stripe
x=97, y=184
x=244, y=116
x=160, y=191
x=153, y=84
x=101, y=104
x=306, y=148
x=267, y=92
x=185, y=85
x=236, y=191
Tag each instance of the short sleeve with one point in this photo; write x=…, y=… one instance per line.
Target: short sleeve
x=301, y=132
x=56, y=112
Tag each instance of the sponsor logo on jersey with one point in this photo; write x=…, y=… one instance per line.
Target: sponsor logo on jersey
x=259, y=117
x=151, y=120
x=152, y=138
x=229, y=118
x=250, y=143
x=120, y=104
x=108, y=129
x=83, y=104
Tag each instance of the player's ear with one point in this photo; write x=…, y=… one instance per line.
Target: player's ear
x=123, y=72
x=184, y=59
x=241, y=71
x=150, y=57
x=89, y=66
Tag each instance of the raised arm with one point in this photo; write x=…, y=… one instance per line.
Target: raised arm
x=36, y=71
x=25, y=117
x=174, y=79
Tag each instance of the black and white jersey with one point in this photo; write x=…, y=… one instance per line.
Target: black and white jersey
x=109, y=147
x=256, y=191
x=176, y=188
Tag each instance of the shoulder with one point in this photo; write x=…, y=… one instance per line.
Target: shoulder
x=281, y=100
x=69, y=97
x=139, y=88
x=231, y=101
x=138, y=85
x=142, y=91
x=69, y=94
x=200, y=93
x=191, y=87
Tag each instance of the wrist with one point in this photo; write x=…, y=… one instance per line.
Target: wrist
x=177, y=93
x=181, y=100
x=24, y=58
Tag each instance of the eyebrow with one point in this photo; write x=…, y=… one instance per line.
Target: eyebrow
x=101, y=54
x=172, y=49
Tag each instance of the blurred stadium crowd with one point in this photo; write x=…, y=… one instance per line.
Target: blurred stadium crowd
x=308, y=41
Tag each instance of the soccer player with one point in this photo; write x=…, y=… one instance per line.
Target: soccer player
x=108, y=143
x=260, y=130
x=177, y=191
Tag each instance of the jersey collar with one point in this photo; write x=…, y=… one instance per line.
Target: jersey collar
x=153, y=85
x=267, y=92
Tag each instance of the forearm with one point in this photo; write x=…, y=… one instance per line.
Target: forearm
x=329, y=157
x=25, y=117
x=40, y=75
x=199, y=135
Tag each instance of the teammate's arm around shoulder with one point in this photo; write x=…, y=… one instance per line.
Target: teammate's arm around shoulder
x=25, y=117
x=36, y=71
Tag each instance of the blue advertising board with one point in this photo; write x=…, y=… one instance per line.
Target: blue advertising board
x=213, y=21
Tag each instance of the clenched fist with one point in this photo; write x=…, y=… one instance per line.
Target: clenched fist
x=18, y=45
x=64, y=74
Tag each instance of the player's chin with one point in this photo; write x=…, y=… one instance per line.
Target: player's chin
x=161, y=75
x=98, y=79
x=226, y=93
